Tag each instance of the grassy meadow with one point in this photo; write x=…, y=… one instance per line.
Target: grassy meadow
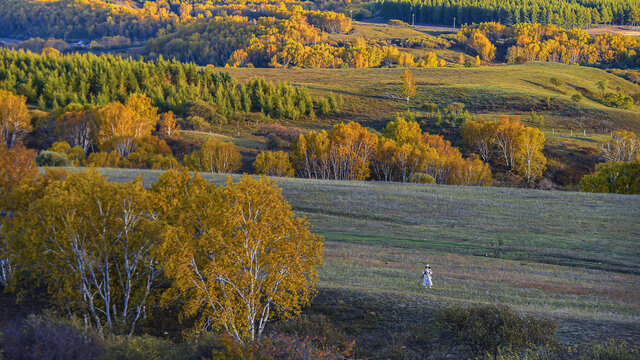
x=571, y=256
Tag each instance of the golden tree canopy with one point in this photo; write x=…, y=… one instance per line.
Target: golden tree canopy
x=215, y=156
x=408, y=84
x=15, y=120
x=238, y=253
x=273, y=163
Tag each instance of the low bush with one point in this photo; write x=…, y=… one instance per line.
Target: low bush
x=52, y=158
x=483, y=330
x=611, y=350
x=46, y=337
x=420, y=178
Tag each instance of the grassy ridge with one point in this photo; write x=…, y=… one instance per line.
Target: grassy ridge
x=485, y=90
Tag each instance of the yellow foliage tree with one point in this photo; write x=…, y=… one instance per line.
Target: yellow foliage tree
x=17, y=167
x=273, y=163
x=403, y=131
x=480, y=134
x=238, y=253
x=119, y=121
x=430, y=59
x=350, y=149
x=530, y=161
x=408, y=84
x=168, y=124
x=507, y=139
x=308, y=154
x=15, y=120
x=215, y=156
x=142, y=106
x=383, y=162
x=469, y=172
x=92, y=243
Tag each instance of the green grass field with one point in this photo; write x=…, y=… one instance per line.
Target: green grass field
x=572, y=256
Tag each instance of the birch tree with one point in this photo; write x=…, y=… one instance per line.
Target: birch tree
x=78, y=128
x=623, y=146
x=15, y=120
x=237, y=253
x=408, y=84
x=273, y=163
x=506, y=139
x=480, y=135
x=530, y=161
x=92, y=243
x=215, y=156
x=17, y=168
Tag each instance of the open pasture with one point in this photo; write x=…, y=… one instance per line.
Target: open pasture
x=572, y=256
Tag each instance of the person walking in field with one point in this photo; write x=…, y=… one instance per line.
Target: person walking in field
x=426, y=277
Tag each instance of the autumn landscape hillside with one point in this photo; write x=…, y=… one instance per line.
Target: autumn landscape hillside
x=188, y=179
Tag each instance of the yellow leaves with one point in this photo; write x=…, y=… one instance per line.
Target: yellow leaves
x=403, y=131
x=239, y=58
x=469, y=172
x=168, y=124
x=136, y=118
x=342, y=154
x=91, y=243
x=480, y=134
x=141, y=105
x=349, y=152
x=518, y=147
x=215, y=156
x=430, y=59
x=118, y=120
x=479, y=42
x=507, y=138
x=553, y=44
x=15, y=120
x=273, y=163
x=16, y=164
x=408, y=84
x=406, y=59
x=529, y=159
x=238, y=253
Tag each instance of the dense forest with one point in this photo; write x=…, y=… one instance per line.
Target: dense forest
x=268, y=42
x=508, y=12
x=73, y=20
x=54, y=81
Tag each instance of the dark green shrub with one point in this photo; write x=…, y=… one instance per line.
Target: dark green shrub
x=611, y=350
x=613, y=177
x=52, y=158
x=485, y=329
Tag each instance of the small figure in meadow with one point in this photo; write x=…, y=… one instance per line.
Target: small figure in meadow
x=426, y=277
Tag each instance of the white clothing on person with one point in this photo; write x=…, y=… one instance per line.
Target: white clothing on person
x=426, y=278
